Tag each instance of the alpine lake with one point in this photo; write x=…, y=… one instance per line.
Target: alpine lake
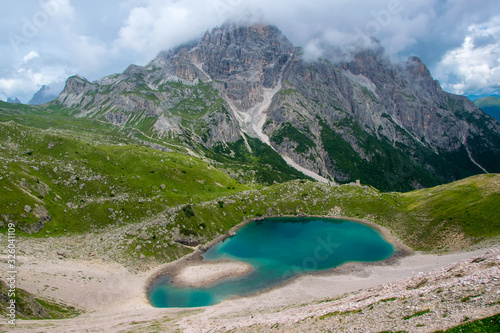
x=279, y=249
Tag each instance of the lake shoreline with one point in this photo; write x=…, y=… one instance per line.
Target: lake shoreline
x=175, y=269
x=114, y=298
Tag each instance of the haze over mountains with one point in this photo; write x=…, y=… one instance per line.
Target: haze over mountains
x=389, y=125
x=42, y=96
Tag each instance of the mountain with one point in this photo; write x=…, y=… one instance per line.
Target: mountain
x=490, y=105
x=42, y=96
x=13, y=101
x=245, y=95
x=476, y=97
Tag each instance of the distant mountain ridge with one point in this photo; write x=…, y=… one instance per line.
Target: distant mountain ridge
x=14, y=100
x=42, y=96
x=389, y=125
x=490, y=105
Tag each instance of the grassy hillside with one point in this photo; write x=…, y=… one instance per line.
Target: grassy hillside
x=62, y=176
x=29, y=307
x=468, y=207
x=72, y=181
x=261, y=165
x=446, y=218
x=113, y=195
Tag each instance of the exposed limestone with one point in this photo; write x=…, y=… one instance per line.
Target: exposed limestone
x=317, y=114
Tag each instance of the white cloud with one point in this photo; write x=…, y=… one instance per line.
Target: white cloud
x=62, y=49
x=31, y=55
x=163, y=25
x=35, y=71
x=321, y=26
x=475, y=65
x=96, y=38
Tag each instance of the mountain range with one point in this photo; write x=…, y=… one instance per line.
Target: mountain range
x=13, y=100
x=490, y=105
x=113, y=179
x=42, y=96
x=245, y=93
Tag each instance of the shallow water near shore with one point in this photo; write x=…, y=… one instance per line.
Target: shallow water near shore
x=279, y=249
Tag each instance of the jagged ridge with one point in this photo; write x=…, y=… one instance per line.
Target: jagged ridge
x=390, y=125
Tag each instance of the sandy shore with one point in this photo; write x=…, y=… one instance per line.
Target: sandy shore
x=114, y=298
x=207, y=273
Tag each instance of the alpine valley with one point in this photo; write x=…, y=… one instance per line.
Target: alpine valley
x=109, y=183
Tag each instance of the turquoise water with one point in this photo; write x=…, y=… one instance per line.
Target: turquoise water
x=279, y=249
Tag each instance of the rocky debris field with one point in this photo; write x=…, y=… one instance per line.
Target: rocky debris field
x=428, y=302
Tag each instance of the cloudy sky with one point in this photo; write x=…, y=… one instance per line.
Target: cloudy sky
x=46, y=41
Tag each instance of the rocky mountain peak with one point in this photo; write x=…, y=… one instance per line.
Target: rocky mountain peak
x=420, y=74
x=42, y=96
x=367, y=118
x=250, y=37
x=76, y=87
x=13, y=100
x=245, y=59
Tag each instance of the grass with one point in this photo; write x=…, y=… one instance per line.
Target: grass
x=287, y=130
x=470, y=206
x=486, y=325
x=59, y=310
x=90, y=177
x=29, y=307
x=260, y=165
x=417, y=314
x=387, y=167
x=337, y=313
x=87, y=181
x=410, y=220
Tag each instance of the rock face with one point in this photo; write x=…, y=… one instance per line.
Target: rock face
x=26, y=306
x=389, y=125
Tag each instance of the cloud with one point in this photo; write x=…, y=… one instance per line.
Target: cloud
x=324, y=28
x=475, y=65
x=161, y=25
x=436, y=30
x=51, y=44
x=35, y=71
x=96, y=38
x=31, y=55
